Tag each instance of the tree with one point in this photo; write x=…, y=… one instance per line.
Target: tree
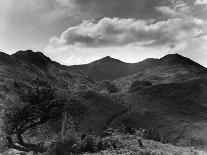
x=38, y=108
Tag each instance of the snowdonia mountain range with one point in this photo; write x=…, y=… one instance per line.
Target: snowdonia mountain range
x=173, y=103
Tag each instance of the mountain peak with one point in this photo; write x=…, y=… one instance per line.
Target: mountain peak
x=29, y=53
x=5, y=58
x=108, y=59
x=173, y=56
x=179, y=59
x=37, y=58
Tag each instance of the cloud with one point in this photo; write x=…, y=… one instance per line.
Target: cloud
x=201, y=2
x=120, y=32
x=178, y=9
x=181, y=6
x=141, y=29
x=130, y=40
x=140, y=9
x=166, y=10
x=74, y=55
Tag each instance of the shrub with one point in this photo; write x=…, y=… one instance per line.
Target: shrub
x=64, y=146
x=90, y=144
x=137, y=85
x=94, y=144
x=154, y=135
x=106, y=143
x=3, y=145
x=110, y=86
x=127, y=129
x=150, y=152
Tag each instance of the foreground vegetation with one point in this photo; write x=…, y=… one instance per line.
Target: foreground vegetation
x=115, y=144
x=169, y=97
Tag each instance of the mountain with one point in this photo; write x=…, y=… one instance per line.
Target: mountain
x=28, y=67
x=173, y=102
x=36, y=58
x=109, y=68
x=129, y=145
x=106, y=68
x=177, y=110
x=168, y=69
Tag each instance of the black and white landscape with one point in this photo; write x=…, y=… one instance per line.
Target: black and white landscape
x=104, y=77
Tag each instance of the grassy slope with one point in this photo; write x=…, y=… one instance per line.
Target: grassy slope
x=129, y=146
x=176, y=110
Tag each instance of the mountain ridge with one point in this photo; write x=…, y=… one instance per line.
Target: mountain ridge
x=23, y=54
x=109, y=66
x=106, y=68
x=175, y=100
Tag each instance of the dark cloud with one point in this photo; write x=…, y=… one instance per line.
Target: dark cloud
x=140, y=9
x=141, y=23
x=141, y=28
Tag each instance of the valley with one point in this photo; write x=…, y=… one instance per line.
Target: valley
x=169, y=95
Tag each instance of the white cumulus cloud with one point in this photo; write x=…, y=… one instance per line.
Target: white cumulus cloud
x=121, y=32
x=121, y=38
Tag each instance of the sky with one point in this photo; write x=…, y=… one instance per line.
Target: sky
x=80, y=31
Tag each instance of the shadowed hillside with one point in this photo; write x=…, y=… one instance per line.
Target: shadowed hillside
x=111, y=69
x=176, y=110
x=166, y=94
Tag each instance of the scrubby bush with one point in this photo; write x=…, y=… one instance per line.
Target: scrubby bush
x=110, y=86
x=127, y=129
x=65, y=146
x=150, y=152
x=3, y=145
x=108, y=143
x=90, y=144
x=137, y=85
x=97, y=144
x=154, y=135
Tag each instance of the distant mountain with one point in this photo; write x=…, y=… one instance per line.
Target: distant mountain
x=111, y=69
x=22, y=71
x=35, y=58
x=174, y=105
x=28, y=67
x=168, y=69
x=106, y=68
